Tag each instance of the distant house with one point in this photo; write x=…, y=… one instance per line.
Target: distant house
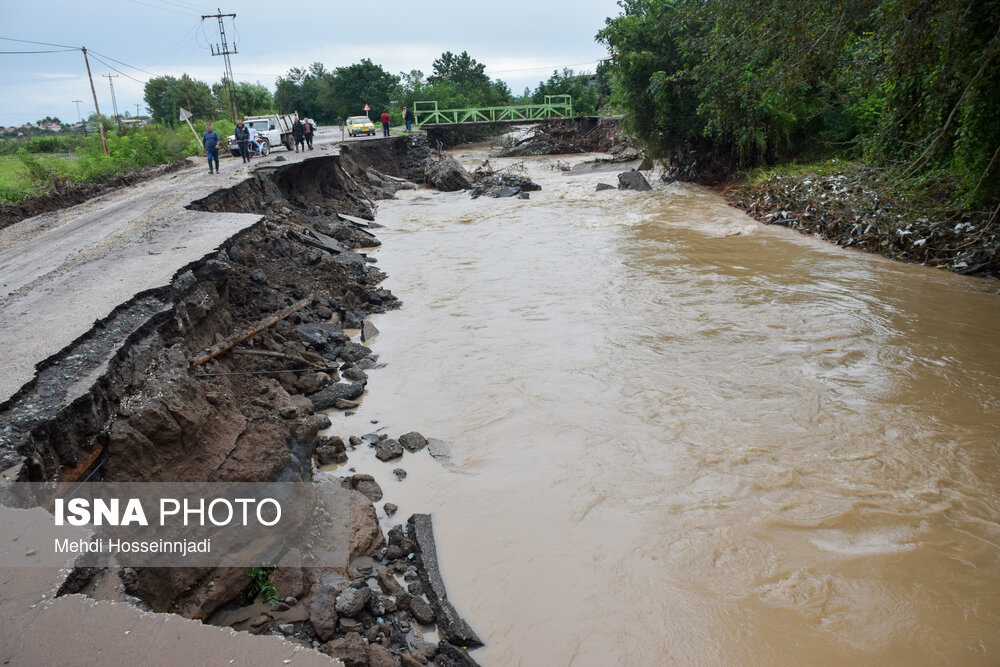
x=134, y=122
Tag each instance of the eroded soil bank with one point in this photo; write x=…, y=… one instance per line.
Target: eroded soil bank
x=125, y=402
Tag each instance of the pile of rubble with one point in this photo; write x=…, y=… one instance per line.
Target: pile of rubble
x=560, y=137
x=506, y=182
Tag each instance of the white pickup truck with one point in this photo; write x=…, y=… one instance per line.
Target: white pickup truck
x=276, y=129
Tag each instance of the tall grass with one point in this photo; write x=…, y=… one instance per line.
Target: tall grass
x=131, y=152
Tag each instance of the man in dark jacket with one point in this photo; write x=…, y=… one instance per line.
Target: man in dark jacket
x=242, y=139
x=309, y=130
x=298, y=133
x=210, y=141
x=408, y=117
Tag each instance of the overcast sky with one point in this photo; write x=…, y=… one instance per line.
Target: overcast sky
x=519, y=41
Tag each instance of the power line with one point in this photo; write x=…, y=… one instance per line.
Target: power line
x=180, y=43
x=26, y=41
x=165, y=9
x=119, y=71
x=8, y=53
x=121, y=63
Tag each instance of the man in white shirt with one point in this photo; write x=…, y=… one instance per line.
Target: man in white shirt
x=253, y=138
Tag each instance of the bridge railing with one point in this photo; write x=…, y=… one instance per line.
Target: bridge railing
x=554, y=106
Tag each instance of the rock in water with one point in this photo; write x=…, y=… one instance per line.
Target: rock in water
x=604, y=186
x=448, y=175
x=413, y=441
x=367, y=485
x=368, y=331
x=633, y=180
x=388, y=449
x=327, y=398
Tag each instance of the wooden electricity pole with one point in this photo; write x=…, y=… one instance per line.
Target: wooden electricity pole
x=100, y=123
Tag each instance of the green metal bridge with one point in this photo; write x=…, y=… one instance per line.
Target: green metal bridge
x=555, y=106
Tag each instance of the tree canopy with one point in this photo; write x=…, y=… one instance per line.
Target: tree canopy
x=761, y=81
x=164, y=95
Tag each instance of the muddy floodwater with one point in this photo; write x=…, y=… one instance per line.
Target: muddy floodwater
x=685, y=438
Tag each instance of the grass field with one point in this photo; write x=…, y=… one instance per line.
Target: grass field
x=15, y=184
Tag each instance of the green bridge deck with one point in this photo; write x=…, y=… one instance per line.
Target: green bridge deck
x=554, y=106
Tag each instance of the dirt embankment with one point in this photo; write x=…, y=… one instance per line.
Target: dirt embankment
x=126, y=403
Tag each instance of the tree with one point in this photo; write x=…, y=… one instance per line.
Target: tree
x=251, y=98
x=361, y=83
x=900, y=82
x=464, y=80
x=583, y=88
x=165, y=95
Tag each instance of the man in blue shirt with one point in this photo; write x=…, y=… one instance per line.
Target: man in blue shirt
x=210, y=140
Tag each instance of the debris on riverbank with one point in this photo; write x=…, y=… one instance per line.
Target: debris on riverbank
x=379, y=609
x=507, y=182
x=851, y=207
x=583, y=135
x=447, y=175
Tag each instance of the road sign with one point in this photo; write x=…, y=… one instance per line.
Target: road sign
x=187, y=116
x=367, y=108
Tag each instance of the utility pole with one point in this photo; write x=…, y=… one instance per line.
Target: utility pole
x=232, y=110
x=136, y=109
x=79, y=117
x=97, y=108
x=114, y=102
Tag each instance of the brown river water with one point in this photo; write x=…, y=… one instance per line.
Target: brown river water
x=682, y=437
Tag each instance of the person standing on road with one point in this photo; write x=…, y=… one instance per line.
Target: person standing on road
x=298, y=133
x=308, y=131
x=242, y=140
x=385, y=123
x=340, y=122
x=408, y=117
x=210, y=142
x=253, y=137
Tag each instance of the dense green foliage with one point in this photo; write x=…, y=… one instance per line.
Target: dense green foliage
x=590, y=92
x=45, y=143
x=164, y=95
x=130, y=152
x=913, y=86
x=457, y=81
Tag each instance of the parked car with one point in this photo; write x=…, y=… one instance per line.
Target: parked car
x=277, y=129
x=360, y=125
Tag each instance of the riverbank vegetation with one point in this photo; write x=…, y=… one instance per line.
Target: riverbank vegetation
x=911, y=88
x=37, y=168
